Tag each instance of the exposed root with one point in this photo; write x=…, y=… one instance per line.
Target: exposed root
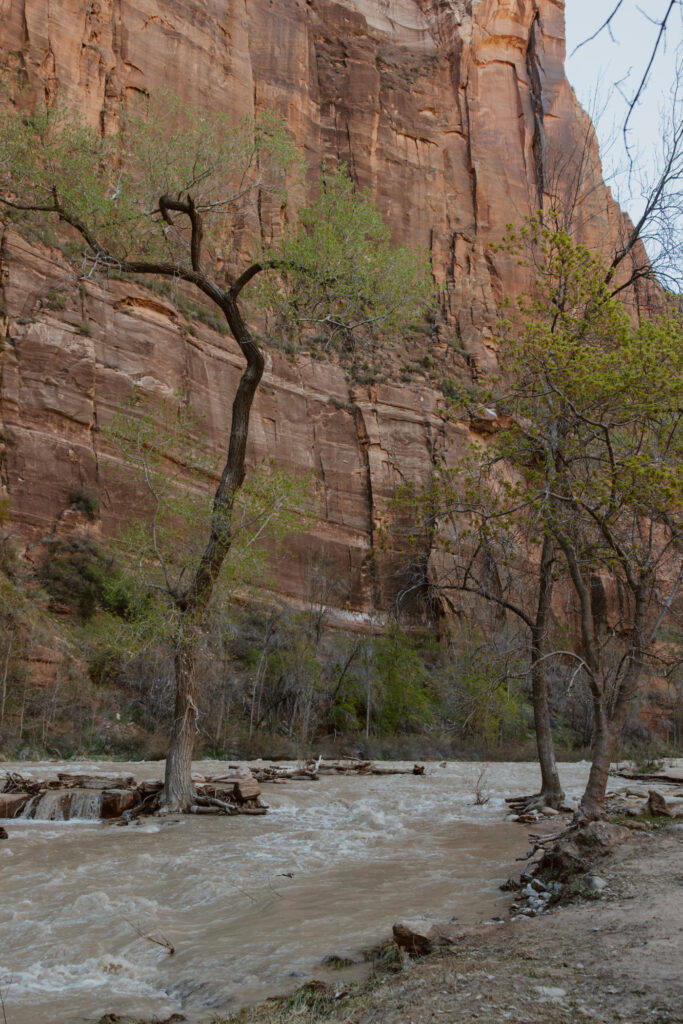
x=535, y=802
x=211, y=805
x=543, y=842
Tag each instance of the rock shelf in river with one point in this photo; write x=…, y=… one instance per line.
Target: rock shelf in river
x=120, y=797
x=95, y=797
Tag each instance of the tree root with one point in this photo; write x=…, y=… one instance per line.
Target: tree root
x=543, y=842
x=535, y=802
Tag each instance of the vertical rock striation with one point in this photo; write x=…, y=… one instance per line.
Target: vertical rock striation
x=456, y=114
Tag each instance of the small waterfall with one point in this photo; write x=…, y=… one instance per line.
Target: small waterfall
x=86, y=804
x=64, y=804
x=52, y=805
x=30, y=806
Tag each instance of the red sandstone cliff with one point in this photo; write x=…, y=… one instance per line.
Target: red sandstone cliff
x=457, y=115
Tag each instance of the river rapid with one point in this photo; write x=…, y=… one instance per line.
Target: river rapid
x=251, y=905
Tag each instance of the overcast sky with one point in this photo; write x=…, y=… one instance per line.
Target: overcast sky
x=607, y=72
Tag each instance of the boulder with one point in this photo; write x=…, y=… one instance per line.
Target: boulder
x=3, y=833
x=420, y=936
x=12, y=804
x=657, y=805
x=599, y=838
x=116, y=801
x=247, y=789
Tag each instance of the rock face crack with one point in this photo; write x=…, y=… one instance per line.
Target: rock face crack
x=534, y=70
x=369, y=567
x=4, y=320
x=419, y=108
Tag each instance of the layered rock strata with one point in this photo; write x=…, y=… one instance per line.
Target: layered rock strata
x=455, y=113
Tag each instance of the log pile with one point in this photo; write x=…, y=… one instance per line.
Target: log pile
x=235, y=792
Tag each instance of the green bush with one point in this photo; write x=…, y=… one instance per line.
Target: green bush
x=87, y=503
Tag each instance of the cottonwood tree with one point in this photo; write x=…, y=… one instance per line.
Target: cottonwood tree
x=590, y=410
x=181, y=194
x=607, y=476
x=649, y=248
x=661, y=17
x=161, y=445
x=595, y=408
x=465, y=531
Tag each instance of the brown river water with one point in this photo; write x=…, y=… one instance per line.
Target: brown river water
x=252, y=905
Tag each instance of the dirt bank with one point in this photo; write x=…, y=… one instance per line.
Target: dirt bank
x=616, y=957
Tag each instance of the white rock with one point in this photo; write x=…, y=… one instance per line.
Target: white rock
x=548, y=992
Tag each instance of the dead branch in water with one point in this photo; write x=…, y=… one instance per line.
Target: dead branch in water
x=157, y=940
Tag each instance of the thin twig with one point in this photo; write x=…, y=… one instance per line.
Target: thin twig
x=158, y=940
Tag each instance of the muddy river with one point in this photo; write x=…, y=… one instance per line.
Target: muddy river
x=251, y=905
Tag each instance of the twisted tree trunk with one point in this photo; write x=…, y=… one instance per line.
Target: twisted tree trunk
x=178, y=793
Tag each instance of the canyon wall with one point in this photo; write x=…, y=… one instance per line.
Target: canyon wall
x=455, y=113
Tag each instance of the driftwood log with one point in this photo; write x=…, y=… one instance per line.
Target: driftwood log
x=672, y=777
x=313, y=769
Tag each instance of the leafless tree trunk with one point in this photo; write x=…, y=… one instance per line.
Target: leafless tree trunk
x=4, y=681
x=552, y=794
x=178, y=787
x=538, y=624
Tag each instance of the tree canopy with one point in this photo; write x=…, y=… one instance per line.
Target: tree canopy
x=585, y=466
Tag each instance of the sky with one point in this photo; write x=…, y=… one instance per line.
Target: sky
x=606, y=73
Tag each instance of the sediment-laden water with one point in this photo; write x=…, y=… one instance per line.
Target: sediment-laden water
x=251, y=905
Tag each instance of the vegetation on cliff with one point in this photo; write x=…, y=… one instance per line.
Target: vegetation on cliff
x=173, y=196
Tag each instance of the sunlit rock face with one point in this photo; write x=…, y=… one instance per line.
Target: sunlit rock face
x=455, y=113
